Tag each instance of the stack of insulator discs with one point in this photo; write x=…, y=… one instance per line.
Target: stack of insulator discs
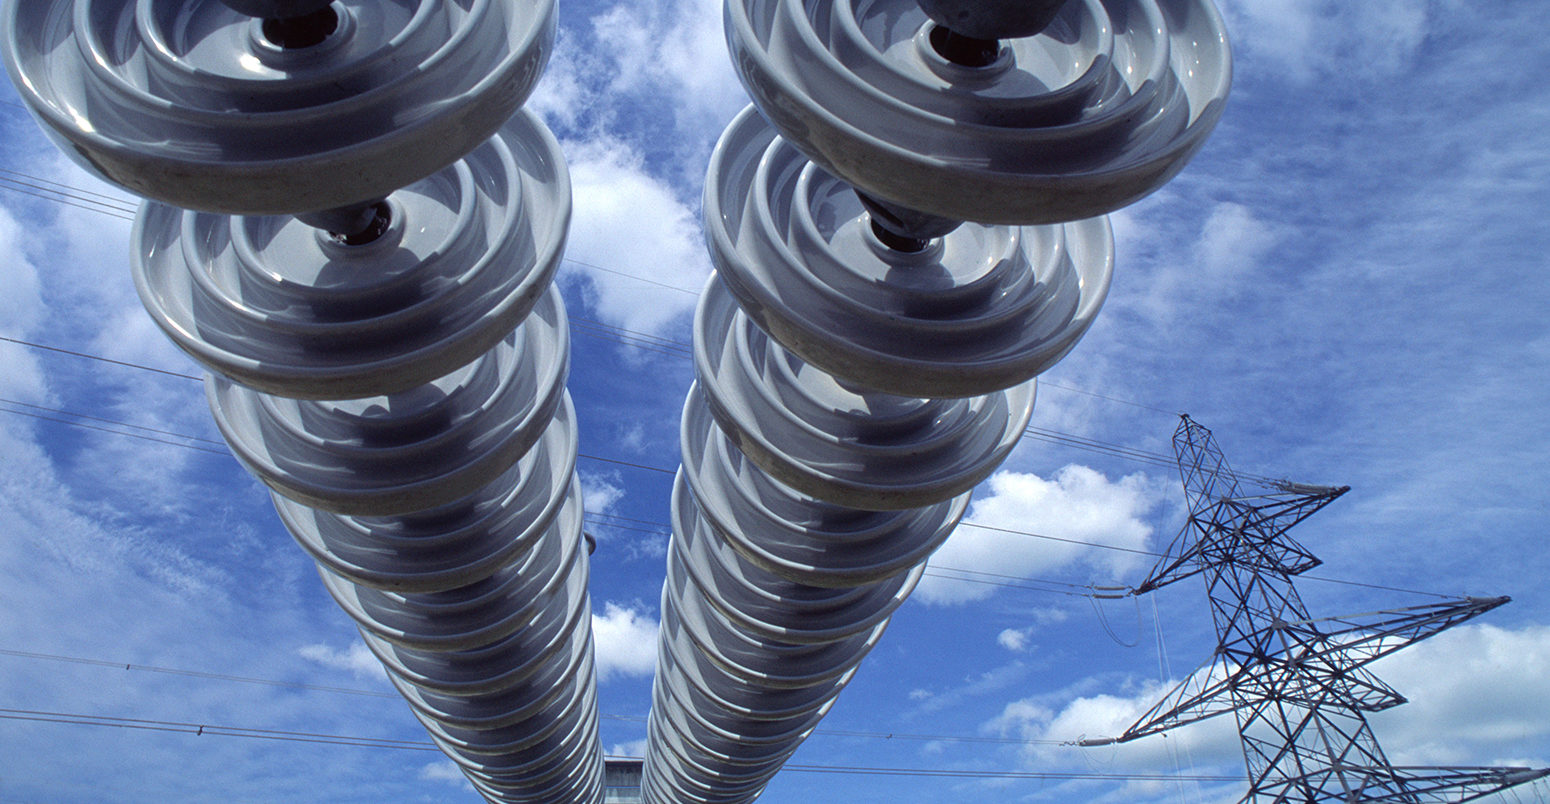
x=907, y=229
x=354, y=226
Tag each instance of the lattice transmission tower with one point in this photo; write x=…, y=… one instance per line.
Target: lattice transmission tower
x=1299, y=685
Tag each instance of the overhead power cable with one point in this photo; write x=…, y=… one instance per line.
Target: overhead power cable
x=198, y=674
x=214, y=730
x=953, y=738
x=1079, y=442
x=663, y=470
x=600, y=330
x=124, y=209
x=99, y=358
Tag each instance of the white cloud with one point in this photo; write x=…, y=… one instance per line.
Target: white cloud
x=626, y=642
x=598, y=495
x=1015, y=640
x=445, y=771
x=1477, y=694
x=1232, y=245
x=676, y=54
x=21, y=307
x=632, y=749
x=629, y=222
x=1213, y=741
x=1078, y=503
x=356, y=659
x=1306, y=40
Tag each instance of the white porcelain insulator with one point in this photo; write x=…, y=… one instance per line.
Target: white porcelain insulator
x=193, y=104
x=979, y=310
x=1101, y=108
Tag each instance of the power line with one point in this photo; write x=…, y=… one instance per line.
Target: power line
x=379, y=694
x=596, y=267
x=206, y=729
x=214, y=730
x=664, y=526
x=114, y=422
x=650, y=343
x=669, y=347
x=84, y=425
x=99, y=358
x=994, y=774
x=197, y=674
x=75, y=423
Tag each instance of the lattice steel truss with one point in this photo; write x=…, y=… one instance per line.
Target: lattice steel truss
x=1298, y=685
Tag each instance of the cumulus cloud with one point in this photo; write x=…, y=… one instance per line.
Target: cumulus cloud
x=626, y=641
x=626, y=221
x=1477, y=694
x=1076, y=503
x=1014, y=639
x=676, y=54
x=1045, y=724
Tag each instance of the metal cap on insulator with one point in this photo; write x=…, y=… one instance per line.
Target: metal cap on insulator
x=353, y=225
x=902, y=228
x=277, y=9
x=991, y=19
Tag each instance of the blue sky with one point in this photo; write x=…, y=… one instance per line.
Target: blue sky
x=1346, y=286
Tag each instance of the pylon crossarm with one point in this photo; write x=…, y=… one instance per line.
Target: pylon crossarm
x=1274, y=514
x=1200, y=696
x=1181, y=560
x=1360, y=639
x=1437, y=783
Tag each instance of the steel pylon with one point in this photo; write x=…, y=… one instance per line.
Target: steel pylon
x=1298, y=685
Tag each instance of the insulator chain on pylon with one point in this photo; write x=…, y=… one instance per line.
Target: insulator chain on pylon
x=906, y=234
x=354, y=227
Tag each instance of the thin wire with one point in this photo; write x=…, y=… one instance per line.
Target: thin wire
x=67, y=203
x=196, y=674
x=974, y=774
x=125, y=204
x=608, y=332
x=99, y=358
x=633, y=276
x=645, y=467
x=77, y=195
x=74, y=423
x=1049, y=384
x=1103, y=620
x=1326, y=579
x=111, y=421
x=377, y=694
x=205, y=729
x=1116, y=547
x=628, y=463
